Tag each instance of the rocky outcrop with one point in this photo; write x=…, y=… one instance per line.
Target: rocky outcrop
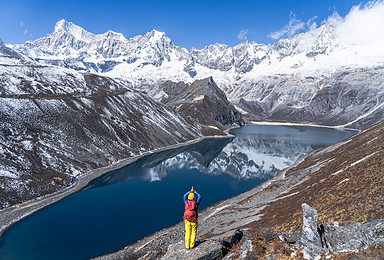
x=210, y=249
x=342, y=238
x=317, y=240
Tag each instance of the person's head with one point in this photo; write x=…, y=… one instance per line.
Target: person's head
x=191, y=196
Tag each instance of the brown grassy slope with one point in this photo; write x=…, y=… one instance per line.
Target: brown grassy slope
x=347, y=185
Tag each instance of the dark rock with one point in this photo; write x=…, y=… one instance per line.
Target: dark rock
x=208, y=250
x=235, y=239
x=237, y=236
x=291, y=237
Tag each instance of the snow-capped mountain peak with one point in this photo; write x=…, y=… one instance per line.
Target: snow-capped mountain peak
x=63, y=25
x=79, y=33
x=156, y=34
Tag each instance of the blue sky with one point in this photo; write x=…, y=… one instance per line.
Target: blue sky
x=188, y=23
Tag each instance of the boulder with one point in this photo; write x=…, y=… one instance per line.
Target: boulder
x=342, y=238
x=209, y=249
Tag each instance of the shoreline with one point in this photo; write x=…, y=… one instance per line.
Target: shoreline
x=13, y=214
x=301, y=124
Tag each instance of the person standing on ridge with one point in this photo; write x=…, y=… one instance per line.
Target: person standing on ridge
x=192, y=201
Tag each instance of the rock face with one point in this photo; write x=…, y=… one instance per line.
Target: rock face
x=311, y=241
x=315, y=240
x=205, y=250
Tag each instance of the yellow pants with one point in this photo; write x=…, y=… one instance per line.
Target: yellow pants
x=190, y=233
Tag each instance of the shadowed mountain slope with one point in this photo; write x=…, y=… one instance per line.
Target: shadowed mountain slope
x=203, y=102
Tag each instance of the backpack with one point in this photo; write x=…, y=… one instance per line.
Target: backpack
x=190, y=212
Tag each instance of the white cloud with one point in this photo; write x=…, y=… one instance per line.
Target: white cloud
x=294, y=26
x=25, y=29
x=243, y=35
x=363, y=25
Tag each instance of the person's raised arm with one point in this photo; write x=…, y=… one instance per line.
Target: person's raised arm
x=199, y=198
x=185, y=197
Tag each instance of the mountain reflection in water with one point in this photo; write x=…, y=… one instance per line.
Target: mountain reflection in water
x=252, y=153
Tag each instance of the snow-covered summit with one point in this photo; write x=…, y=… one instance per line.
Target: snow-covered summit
x=64, y=26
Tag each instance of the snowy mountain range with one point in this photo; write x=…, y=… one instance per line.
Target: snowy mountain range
x=316, y=76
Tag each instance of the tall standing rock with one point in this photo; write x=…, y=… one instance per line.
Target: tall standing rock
x=311, y=225
x=311, y=239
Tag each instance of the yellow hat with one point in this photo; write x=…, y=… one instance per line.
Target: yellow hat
x=191, y=196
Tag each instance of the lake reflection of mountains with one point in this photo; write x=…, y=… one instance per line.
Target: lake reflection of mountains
x=240, y=157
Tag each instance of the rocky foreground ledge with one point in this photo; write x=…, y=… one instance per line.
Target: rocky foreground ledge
x=343, y=182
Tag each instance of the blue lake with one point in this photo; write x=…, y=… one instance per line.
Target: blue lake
x=137, y=200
